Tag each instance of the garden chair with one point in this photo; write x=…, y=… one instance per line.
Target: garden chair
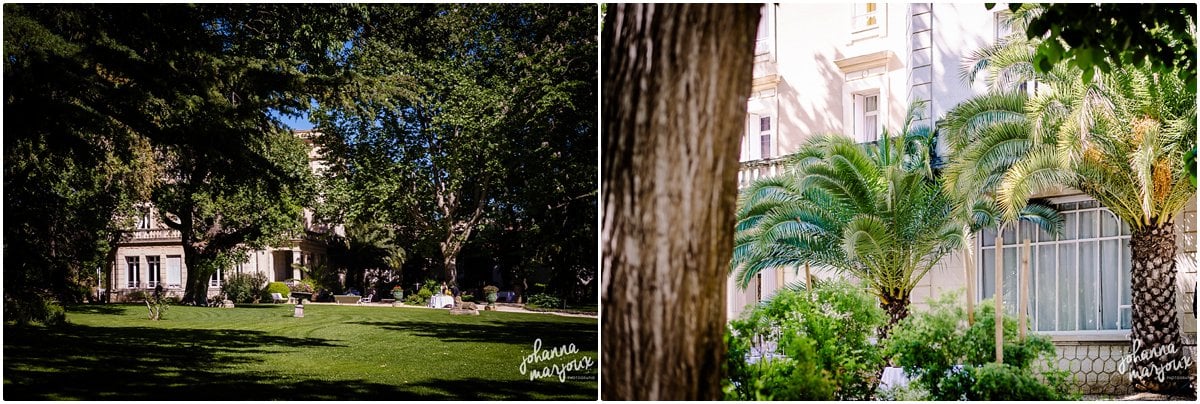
x=276, y=297
x=367, y=299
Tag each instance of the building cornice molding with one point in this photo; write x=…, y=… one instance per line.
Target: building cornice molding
x=864, y=62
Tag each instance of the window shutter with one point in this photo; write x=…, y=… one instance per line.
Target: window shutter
x=755, y=150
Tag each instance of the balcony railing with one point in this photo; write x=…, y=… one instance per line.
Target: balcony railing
x=749, y=171
x=155, y=234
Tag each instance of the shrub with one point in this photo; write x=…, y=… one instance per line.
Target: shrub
x=244, y=287
x=276, y=287
x=931, y=345
x=468, y=298
x=32, y=308
x=794, y=377
x=301, y=287
x=414, y=300
x=544, y=300
x=137, y=295
x=837, y=322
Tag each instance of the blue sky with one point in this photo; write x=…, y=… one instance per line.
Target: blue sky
x=298, y=123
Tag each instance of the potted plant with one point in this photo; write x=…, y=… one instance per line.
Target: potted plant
x=398, y=292
x=490, y=292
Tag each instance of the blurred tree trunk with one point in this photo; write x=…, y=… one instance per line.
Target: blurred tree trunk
x=676, y=79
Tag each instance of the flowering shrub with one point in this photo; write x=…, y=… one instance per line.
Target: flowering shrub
x=301, y=287
x=829, y=331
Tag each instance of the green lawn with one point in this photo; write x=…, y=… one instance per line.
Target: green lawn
x=263, y=353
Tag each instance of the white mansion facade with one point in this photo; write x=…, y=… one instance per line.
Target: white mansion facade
x=152, y=255
x=855, y=69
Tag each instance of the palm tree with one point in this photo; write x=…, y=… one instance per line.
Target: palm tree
x=365, y=247
x=1121, y=139
x=872, y=211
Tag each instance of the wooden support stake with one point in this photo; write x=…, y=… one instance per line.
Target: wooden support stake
x=808, y=280
x=970, y=266
x=999, y=299
x=1024, y=298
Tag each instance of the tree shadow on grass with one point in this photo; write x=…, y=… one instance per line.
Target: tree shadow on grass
x=83, y=362
x=481, y=389
x=552, y=334
x=143, y=363
x=97, y=309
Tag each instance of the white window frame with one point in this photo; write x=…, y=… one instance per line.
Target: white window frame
x=859, y=16
x=767, y=133
x=762, y=104
x=217, y=279
x=177, y=268
x=1124, y=308
x=133, y=271
x=143, y=219
x=764, y=42
x=861, y=114
x=1003, y=30
x=856, y=106
x=153, y=268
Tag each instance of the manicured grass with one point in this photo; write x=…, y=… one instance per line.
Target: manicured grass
x=263, y=353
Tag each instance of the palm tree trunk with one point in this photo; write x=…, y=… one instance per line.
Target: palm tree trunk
x=676, y=79
x=896, y=307
x=1155, y=323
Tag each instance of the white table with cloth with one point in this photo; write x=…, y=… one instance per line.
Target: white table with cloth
x=440, y=301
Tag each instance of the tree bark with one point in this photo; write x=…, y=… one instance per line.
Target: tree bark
x=676, y=79
x=896, y=307
x=1155, y=323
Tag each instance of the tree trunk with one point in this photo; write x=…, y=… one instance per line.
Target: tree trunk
x=1155, y=324
x=195, y=291
x=676, y=80
x=450, y=250
x=896, y=307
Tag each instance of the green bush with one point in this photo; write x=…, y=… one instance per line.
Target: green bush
x=544, y=300
x=137, y=295
x=414, y=300
x=793, y=377
x=929, y=345
x=33, y=309
x=837, y=321
x=276, y=287
x=244, y=287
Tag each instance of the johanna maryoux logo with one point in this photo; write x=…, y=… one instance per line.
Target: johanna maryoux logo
x=1132, y=363
x=561, y=362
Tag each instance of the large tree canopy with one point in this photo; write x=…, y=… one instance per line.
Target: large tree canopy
x=1101, y=36
x=113, y=99
x=454, y=111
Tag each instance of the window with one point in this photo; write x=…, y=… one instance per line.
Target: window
x=1004, y=29
x=174, y=274
x=1079, y=281
x=867, y=124
x=143, y=219
x=217, y=278
x=133, y=274
x=764, y=136
x=764, y=37
x=866, y=16
x=757, y=142
x=152, y=266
